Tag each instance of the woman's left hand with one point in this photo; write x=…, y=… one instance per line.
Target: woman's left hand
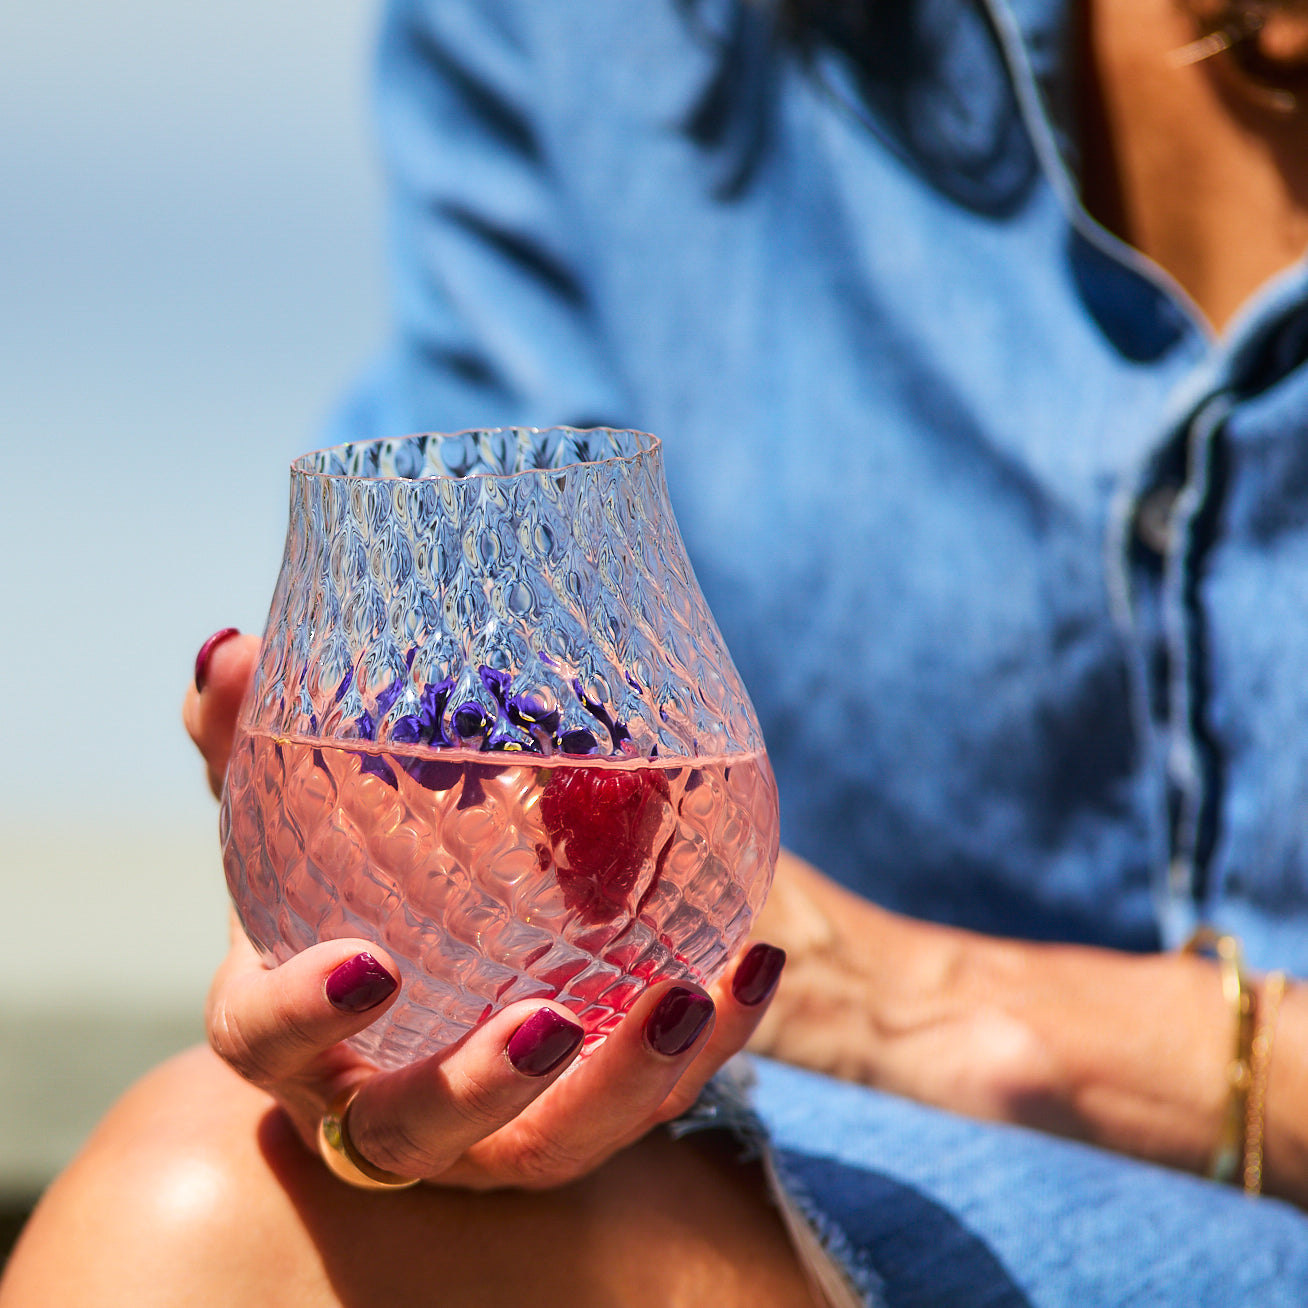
x=1128, y=1051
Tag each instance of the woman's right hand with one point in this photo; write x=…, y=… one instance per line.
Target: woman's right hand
x=494, y=1109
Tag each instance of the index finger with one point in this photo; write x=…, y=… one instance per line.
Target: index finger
x=213, y=699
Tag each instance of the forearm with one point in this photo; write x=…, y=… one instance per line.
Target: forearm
x=1129, y=1052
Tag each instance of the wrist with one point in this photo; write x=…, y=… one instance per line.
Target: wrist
x=1135, y=1050
x=920, y=1009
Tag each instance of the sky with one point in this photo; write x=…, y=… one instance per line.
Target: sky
x=190, y=276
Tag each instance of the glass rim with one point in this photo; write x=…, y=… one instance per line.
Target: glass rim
x=647, y=444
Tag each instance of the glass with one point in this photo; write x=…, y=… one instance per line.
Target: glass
x=494, y=729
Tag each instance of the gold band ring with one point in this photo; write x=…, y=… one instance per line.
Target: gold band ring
x=345, y=1161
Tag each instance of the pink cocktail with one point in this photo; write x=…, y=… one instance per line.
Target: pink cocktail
x=495, y=880
x=494, y=729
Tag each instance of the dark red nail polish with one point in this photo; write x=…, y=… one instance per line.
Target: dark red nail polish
x=359, y=983
x=677, y=1020
x=206, y=653
x=543, y=1042
x=757, y=976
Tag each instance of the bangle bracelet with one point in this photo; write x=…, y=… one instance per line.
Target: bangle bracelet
x=1230, y=1151
x=1260, y=1063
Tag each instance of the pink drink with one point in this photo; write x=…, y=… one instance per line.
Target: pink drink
x=496, y=877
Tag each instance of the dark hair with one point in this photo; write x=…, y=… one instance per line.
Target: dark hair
x=798, y=18
x=893, y=64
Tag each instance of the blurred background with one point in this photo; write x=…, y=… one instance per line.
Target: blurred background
x=190, y=274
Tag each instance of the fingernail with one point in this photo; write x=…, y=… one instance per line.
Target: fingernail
x=543, y=1041
x=359, y=983
x=206, y=653
x=757, y=976
x=677, y=1020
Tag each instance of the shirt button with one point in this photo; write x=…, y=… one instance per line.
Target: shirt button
x=1154, y=524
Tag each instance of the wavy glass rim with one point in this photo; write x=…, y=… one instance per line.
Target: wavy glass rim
x=301, y=466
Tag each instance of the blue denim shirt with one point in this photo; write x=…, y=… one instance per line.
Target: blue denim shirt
x=1011, y=551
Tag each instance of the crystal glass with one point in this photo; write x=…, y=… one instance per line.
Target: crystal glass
x=494, y=729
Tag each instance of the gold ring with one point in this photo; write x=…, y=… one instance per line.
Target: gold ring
x=345, y=1161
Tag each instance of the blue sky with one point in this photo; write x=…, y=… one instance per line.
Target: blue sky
x=189, y=275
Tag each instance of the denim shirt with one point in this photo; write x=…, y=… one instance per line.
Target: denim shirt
x=1011, y=551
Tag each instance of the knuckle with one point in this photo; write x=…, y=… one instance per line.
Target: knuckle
x=233, y=1042
x=294, y=1038
x=260, y=1051
x=681, y=1099
x=393, y=1147
x=541, y=1162
x=480, y=1103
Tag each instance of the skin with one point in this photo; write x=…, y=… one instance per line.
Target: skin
x=196, y=1191
x=1195, y=165
x=1198, y=169
x=1124, y=1051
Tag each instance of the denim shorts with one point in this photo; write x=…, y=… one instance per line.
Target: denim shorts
x=895, y=1205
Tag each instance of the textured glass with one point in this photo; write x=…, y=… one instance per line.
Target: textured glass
x=494, y=729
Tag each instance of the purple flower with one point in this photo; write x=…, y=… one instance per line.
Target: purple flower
x=469, y=719
x=495, y=681
x=505, y=736
x=387, y=697
x=578, y=741
x=407, y=730
x=527, y=710
x=618, y=732
x=431, y=711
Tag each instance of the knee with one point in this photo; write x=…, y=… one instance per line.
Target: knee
x=154, y=1205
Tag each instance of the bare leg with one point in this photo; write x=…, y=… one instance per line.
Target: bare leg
x=194, y=1191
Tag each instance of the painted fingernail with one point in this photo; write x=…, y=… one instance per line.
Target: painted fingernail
x=206, y=653
x=543, y=1042
x=677, y=1020
x=757, y=976
x=359, y=983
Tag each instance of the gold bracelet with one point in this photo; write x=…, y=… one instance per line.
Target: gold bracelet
x=1260, y=1065
x=1230, y=1151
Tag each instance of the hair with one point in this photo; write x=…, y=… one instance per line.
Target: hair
x=898, y=81
x=798, y=17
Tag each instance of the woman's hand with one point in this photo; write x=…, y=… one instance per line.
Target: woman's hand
x=885, y=1000
x=1127, y=1051
x=493, y=1110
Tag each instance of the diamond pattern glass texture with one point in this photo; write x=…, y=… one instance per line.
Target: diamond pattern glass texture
x=494, y=729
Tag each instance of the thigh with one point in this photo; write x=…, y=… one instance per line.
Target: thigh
x=194, y=1190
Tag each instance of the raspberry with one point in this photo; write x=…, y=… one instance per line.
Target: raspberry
x=602, y=824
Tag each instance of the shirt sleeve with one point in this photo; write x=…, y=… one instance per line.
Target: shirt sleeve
x=493, y=319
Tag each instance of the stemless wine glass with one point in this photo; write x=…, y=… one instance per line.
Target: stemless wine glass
x=494, y=729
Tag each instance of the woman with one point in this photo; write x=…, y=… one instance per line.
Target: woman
x=975, y=332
